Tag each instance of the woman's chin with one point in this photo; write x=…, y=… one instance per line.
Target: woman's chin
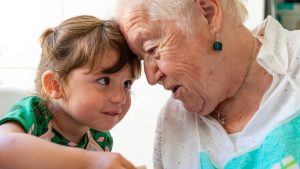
x=197, y=108
x=194, y=108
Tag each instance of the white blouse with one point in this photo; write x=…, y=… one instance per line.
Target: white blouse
x=181, y=134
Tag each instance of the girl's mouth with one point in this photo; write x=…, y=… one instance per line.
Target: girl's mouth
x=111, y=113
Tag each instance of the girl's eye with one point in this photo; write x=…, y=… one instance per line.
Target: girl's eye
x=128, y=84
x=104, y=80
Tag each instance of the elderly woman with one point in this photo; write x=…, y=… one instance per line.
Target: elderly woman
x=235, y=93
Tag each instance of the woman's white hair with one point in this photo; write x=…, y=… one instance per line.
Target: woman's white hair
x=180, y=10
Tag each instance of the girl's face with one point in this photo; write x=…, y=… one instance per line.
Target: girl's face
x=97, y=100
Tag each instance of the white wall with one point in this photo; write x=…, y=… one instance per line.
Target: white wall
x=21, y=24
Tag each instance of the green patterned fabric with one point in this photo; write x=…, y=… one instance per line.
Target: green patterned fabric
x=35, y=118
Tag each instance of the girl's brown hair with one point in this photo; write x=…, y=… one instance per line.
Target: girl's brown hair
x=78, y=42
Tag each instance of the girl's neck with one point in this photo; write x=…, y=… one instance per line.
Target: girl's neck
x=67, y=126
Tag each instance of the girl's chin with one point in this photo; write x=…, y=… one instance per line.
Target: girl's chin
x=104, y=128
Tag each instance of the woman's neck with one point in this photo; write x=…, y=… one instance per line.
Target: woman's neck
x=237, y=110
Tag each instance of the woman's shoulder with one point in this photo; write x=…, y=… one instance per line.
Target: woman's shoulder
x=175, y=137
x=173, y=110
x=175, y=117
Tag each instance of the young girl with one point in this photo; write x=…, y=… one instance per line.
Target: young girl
x=82, y=90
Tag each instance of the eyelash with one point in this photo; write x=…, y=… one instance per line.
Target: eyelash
x=127, y=83
x=151, y=50
x=107, y=80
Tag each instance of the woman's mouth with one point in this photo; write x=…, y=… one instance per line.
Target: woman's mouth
x=175, y=89
x=175, y=92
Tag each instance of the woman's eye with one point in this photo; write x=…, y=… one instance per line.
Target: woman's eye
x=151, y=51
x=104, y=80
x=128, y=84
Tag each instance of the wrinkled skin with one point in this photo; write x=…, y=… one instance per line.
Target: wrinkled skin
x=188, y=67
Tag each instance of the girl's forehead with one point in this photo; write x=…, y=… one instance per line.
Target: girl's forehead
x=109, y=59
x=103, y=60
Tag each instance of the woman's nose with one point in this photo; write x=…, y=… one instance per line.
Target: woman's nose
x=152, y=72
x=118, y=96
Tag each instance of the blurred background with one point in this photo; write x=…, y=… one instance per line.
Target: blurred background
x=22, y=22
x=285, y=11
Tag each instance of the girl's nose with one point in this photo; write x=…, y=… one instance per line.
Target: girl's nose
x=118, y=96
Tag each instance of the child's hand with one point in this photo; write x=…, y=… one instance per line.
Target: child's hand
x=107, y=160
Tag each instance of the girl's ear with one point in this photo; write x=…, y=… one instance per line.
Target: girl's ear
x=212, y=11
x=51, y=85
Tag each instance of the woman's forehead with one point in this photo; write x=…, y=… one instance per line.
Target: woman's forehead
x=145, y=31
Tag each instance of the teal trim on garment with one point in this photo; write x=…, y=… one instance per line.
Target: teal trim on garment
x=281, y=147
x=205, y=163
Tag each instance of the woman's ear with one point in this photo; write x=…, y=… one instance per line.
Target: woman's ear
x=212, y=11
x=51, y=85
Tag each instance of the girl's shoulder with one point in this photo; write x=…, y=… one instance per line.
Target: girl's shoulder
x=31, y=113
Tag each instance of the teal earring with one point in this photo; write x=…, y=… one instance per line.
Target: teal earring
x=217, y=46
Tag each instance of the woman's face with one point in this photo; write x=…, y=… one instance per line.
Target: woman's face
x=188, y=67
